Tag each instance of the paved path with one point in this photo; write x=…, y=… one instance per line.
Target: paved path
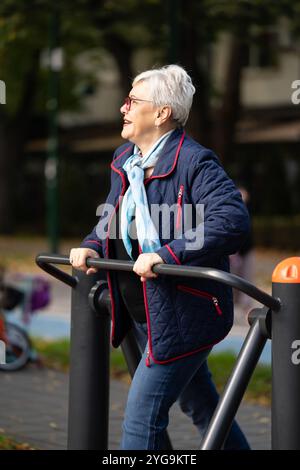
x=34, y=410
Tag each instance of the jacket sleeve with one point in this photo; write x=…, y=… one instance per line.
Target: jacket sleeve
x=93, y=241
x=225, y=222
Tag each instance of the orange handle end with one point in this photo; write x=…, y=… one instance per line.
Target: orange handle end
x=287, y=271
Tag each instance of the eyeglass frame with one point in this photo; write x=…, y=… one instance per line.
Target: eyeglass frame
x=128, y=100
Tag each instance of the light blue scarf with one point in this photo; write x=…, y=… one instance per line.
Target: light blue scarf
x=135, y=200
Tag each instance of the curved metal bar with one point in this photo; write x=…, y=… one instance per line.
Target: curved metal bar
x=45, y=263
x=184, y=271
x=196, y=272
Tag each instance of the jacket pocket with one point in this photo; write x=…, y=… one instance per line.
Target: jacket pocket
x=204, y=295
x=179, y=207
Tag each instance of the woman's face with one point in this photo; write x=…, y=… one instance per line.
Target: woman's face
x=139, y=120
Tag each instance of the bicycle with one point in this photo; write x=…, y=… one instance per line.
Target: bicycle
x=29, y=294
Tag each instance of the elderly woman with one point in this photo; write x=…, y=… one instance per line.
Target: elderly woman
x=176, y=320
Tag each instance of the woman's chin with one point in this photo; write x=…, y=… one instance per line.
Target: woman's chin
x=125, y=133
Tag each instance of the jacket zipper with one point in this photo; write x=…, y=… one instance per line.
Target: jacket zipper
x=205, y=295
x=179, y=206
x=146, y=181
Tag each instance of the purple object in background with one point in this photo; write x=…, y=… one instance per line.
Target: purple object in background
x=40, y=295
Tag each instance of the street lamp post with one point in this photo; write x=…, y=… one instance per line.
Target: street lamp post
x=55, y=62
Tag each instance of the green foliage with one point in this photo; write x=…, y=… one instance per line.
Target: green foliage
x=92, y=25
x=7, y=443
x=259, y=388
x=56, y=354
x=53, y=353
x=25, y=33
x=120, y=28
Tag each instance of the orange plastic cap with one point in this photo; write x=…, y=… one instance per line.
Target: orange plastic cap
x=287, y=271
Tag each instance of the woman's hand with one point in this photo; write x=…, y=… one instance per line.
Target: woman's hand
x=78, y=258
x=142, y=266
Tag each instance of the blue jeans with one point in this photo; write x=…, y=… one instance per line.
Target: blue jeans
x=153, y=391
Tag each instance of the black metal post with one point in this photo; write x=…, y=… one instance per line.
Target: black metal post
x=235, y=388
x=286, y=357
x=89, y=369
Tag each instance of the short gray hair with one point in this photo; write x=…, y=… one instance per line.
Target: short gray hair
x=172, y=86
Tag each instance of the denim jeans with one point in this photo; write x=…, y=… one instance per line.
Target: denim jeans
x=156, y=388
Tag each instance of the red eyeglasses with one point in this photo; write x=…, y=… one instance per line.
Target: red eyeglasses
x=128, y=100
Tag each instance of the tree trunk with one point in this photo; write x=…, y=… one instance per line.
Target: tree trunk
x=228, y=114
x=191, y=49
x=122, y=53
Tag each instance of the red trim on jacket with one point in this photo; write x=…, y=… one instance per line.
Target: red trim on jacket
x=201, y=293
x=150, y=341
x=94, y=241
x=172, y=254
x=174, y=163
x=117, y=158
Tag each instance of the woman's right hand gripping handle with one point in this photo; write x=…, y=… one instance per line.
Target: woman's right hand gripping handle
x=78, y=258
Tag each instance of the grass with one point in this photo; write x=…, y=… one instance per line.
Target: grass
x=18, y=252
x=55, y=354
x=259, y=388
x=7, y=443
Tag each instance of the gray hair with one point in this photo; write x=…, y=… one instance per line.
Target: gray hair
x=172, y=86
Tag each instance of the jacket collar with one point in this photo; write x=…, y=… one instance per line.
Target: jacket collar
x=166, y=161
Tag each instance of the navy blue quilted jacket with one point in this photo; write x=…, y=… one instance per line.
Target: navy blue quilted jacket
x=184, y=315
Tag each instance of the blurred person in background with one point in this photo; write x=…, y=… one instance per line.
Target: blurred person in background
x=242, y=262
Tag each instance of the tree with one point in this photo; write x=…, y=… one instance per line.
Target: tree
x=24, y=29
x=245, y=20
x=176, y=31
x=119, y=27
x=199, y=24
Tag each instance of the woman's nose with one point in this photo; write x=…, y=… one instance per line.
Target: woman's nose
x=123, y=109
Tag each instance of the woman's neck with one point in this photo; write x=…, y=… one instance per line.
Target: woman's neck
x=146, y=145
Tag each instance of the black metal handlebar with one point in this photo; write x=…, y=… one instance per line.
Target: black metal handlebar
x=45, y=262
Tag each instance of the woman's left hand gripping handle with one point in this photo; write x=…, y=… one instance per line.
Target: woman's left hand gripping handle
x=78, y=258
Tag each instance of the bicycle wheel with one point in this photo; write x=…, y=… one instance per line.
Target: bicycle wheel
x=18, y=349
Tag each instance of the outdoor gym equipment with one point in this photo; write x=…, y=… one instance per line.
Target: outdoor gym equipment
x=278, y=319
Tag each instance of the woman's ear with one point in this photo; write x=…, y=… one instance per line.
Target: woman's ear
x=163, y=115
